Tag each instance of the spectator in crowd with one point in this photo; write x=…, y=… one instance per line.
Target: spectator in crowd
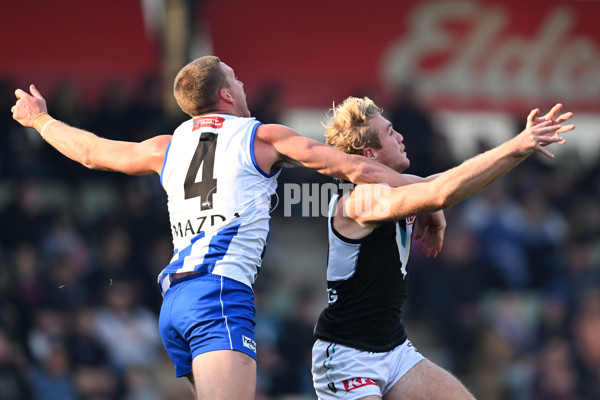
x=52, y=379
x=128, y=329
x=14, y=382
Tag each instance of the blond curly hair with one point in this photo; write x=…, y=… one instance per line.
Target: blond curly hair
x=348, y=128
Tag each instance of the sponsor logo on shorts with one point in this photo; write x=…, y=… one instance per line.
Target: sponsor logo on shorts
x=249, y=343
x=356, y=383
x=410, y=220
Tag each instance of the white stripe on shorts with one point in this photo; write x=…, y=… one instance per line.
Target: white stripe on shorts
x=224, y=316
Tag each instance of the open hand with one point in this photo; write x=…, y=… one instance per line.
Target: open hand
x=545, y=130
x=551, y=116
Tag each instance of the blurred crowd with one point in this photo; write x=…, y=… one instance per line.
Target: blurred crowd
x=511, y=305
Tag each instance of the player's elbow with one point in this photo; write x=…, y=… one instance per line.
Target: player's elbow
x=443, y=202
x=361, y=172
x=446, y=198
x=440, y=198
x=85, y=159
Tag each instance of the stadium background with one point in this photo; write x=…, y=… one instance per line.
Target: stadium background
x=512, y=305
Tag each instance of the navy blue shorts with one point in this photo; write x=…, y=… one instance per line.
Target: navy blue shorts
x=206, y=312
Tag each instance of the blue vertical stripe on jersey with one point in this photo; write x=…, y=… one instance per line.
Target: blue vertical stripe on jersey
x=217, y=248
x=165, y=163
x=181, y=256
x=259, y=169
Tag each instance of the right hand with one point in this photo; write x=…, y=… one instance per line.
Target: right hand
x=28, y=106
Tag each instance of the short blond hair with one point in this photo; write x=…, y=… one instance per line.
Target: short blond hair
x=197, y=85
x=348, y=128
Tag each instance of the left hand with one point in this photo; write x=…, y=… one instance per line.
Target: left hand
x=431, y=228
x=551, y=116
x=28, y=106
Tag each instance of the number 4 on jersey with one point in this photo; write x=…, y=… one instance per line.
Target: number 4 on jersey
x=204, y=157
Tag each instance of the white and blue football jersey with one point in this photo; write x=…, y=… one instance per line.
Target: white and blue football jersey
x=218, y=199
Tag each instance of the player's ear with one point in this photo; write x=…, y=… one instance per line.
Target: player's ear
x=369, y=153
x=225, y=95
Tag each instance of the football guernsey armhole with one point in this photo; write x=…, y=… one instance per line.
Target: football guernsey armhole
x=339, y=236
x=162, y=170
x=344, y=238
x=258, y=168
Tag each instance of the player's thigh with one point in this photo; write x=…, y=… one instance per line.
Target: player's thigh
x=427, y=381
x=224, y=375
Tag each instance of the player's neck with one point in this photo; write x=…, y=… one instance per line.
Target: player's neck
x=221, y=109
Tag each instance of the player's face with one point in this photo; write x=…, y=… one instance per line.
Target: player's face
x=236, y=88
x=392, y=149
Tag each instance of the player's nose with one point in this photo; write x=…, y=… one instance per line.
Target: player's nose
x=399, y=137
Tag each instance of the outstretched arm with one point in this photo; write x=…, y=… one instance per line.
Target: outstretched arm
x=457, y=183
x=86, y=148
x=432, y=226
x=281, y=144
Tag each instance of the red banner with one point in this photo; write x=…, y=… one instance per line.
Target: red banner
x=460, y=54
x=90, y=44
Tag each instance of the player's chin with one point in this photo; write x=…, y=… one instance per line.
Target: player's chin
x=406, y=161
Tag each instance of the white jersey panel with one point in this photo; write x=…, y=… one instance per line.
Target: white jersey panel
x=342, y=256
x=218, y=199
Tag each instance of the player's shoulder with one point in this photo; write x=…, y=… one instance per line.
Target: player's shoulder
x=273, y=132
x=159, y=142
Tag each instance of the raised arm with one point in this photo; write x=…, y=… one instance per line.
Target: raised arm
x=278, y=144
x=457, y=183
x=86, y=148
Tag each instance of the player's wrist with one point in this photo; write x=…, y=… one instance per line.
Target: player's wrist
x=519, y=146
x=39, y=120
